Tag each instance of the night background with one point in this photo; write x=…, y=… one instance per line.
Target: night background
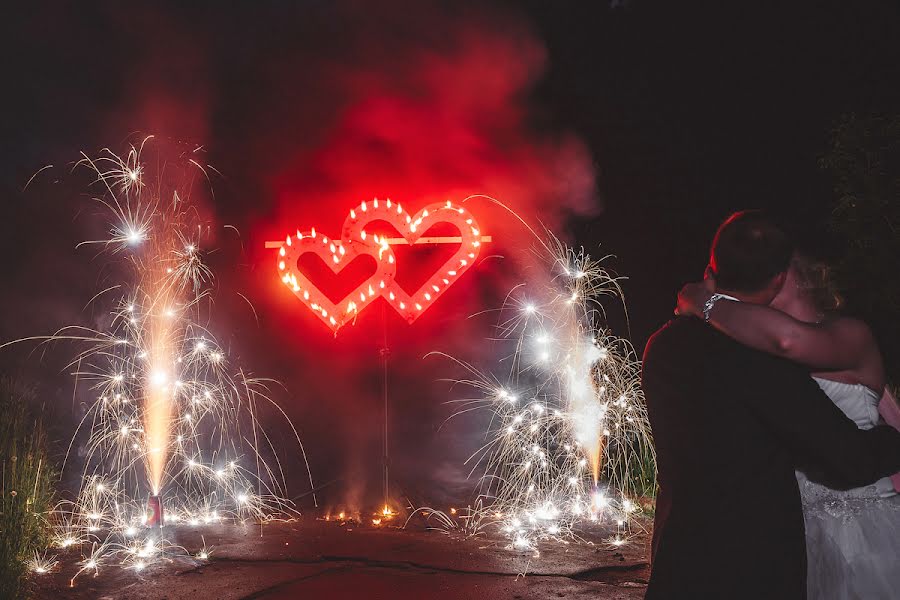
x=629, y=128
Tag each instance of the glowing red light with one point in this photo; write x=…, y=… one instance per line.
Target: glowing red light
x=355, y=241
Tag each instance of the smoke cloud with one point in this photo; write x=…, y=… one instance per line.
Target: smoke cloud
x=306, y=110
x=418, y=106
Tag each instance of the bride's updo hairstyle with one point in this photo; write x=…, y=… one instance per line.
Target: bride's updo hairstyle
x=814, y=277
x=749, y=250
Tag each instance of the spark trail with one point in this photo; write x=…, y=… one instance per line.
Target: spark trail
x=168, y=413
x=569, y=442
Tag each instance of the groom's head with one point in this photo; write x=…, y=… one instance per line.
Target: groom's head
x=750, y=256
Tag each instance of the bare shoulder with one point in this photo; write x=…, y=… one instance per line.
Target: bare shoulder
x=850, y=330
x=857, y=336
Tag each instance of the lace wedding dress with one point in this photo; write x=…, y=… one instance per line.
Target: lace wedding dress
x=853, y=536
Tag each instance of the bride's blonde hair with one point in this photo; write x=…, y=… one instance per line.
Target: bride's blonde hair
x=815, y=279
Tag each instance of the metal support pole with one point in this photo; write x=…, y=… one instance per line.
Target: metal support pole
x=385, y=352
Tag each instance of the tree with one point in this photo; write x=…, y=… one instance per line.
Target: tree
x=864, y=161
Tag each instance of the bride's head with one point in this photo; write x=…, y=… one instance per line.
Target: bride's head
x=809, y=293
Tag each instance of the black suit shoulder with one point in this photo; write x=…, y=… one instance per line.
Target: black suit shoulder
x=679, y=331
x=683, y=338
x=670, y=333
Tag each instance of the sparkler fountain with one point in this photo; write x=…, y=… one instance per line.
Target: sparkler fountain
x=169, y=415
x=569, y=441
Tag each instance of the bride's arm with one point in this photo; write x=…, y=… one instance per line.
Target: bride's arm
x=838, y=344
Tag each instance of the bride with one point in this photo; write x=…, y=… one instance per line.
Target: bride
x=852, y=536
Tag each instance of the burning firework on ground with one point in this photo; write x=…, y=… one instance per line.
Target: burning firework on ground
x=170, y=419
x=569, y=441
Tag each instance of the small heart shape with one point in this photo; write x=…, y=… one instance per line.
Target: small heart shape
x=411, y=306
x=337, y=256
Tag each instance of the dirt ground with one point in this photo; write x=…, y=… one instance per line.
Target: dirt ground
x=310, y=558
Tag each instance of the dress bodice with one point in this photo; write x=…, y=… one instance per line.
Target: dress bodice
x=860, y=404
x=855, y=400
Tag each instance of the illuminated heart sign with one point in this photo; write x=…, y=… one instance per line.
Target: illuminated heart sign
x=356, y=241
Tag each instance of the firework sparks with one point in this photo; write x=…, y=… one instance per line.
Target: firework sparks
x=40, y=563
x=569, y=441
x=170, y=417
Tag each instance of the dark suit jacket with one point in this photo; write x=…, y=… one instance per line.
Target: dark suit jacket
x=730, y=425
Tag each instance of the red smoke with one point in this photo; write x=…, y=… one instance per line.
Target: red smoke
x=418, y=121
x=439, y=123
x=323, y=106
x=423, y=121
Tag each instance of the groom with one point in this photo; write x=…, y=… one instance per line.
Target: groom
x=730, y=425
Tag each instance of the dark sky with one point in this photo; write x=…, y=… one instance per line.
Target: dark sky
x=685, y=110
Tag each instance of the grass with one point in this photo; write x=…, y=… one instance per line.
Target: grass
x=26, y=486
x=633, y=468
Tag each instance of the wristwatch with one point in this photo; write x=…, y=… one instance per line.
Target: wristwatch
x=712, y=302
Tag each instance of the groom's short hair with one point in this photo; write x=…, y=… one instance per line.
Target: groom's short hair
x=748, y=251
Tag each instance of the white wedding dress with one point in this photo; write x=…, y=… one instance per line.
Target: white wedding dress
x=853, y=536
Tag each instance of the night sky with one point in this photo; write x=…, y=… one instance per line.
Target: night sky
x=631, y=128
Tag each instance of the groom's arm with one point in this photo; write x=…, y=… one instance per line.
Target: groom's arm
x=787, y=398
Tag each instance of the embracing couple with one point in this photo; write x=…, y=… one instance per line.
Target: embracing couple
x=774, y=467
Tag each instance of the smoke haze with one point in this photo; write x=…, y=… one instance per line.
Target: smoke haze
x=326, y=105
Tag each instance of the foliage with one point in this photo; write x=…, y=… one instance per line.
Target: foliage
x=637, y=470
x=864, y=161
x=26, y=487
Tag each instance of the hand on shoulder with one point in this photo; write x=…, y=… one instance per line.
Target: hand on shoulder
x=693, y=297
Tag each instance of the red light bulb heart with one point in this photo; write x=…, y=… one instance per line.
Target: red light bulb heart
x=336, y=255
x=356, y=241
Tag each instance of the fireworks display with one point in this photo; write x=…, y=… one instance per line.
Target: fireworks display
x=569, y=441
x=169, y=418
x=172, y=435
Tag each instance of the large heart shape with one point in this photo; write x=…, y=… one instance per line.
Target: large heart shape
x=411, y=306
x=336, y=255
x=356, y=241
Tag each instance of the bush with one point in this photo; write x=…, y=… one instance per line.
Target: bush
x=26, y=486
